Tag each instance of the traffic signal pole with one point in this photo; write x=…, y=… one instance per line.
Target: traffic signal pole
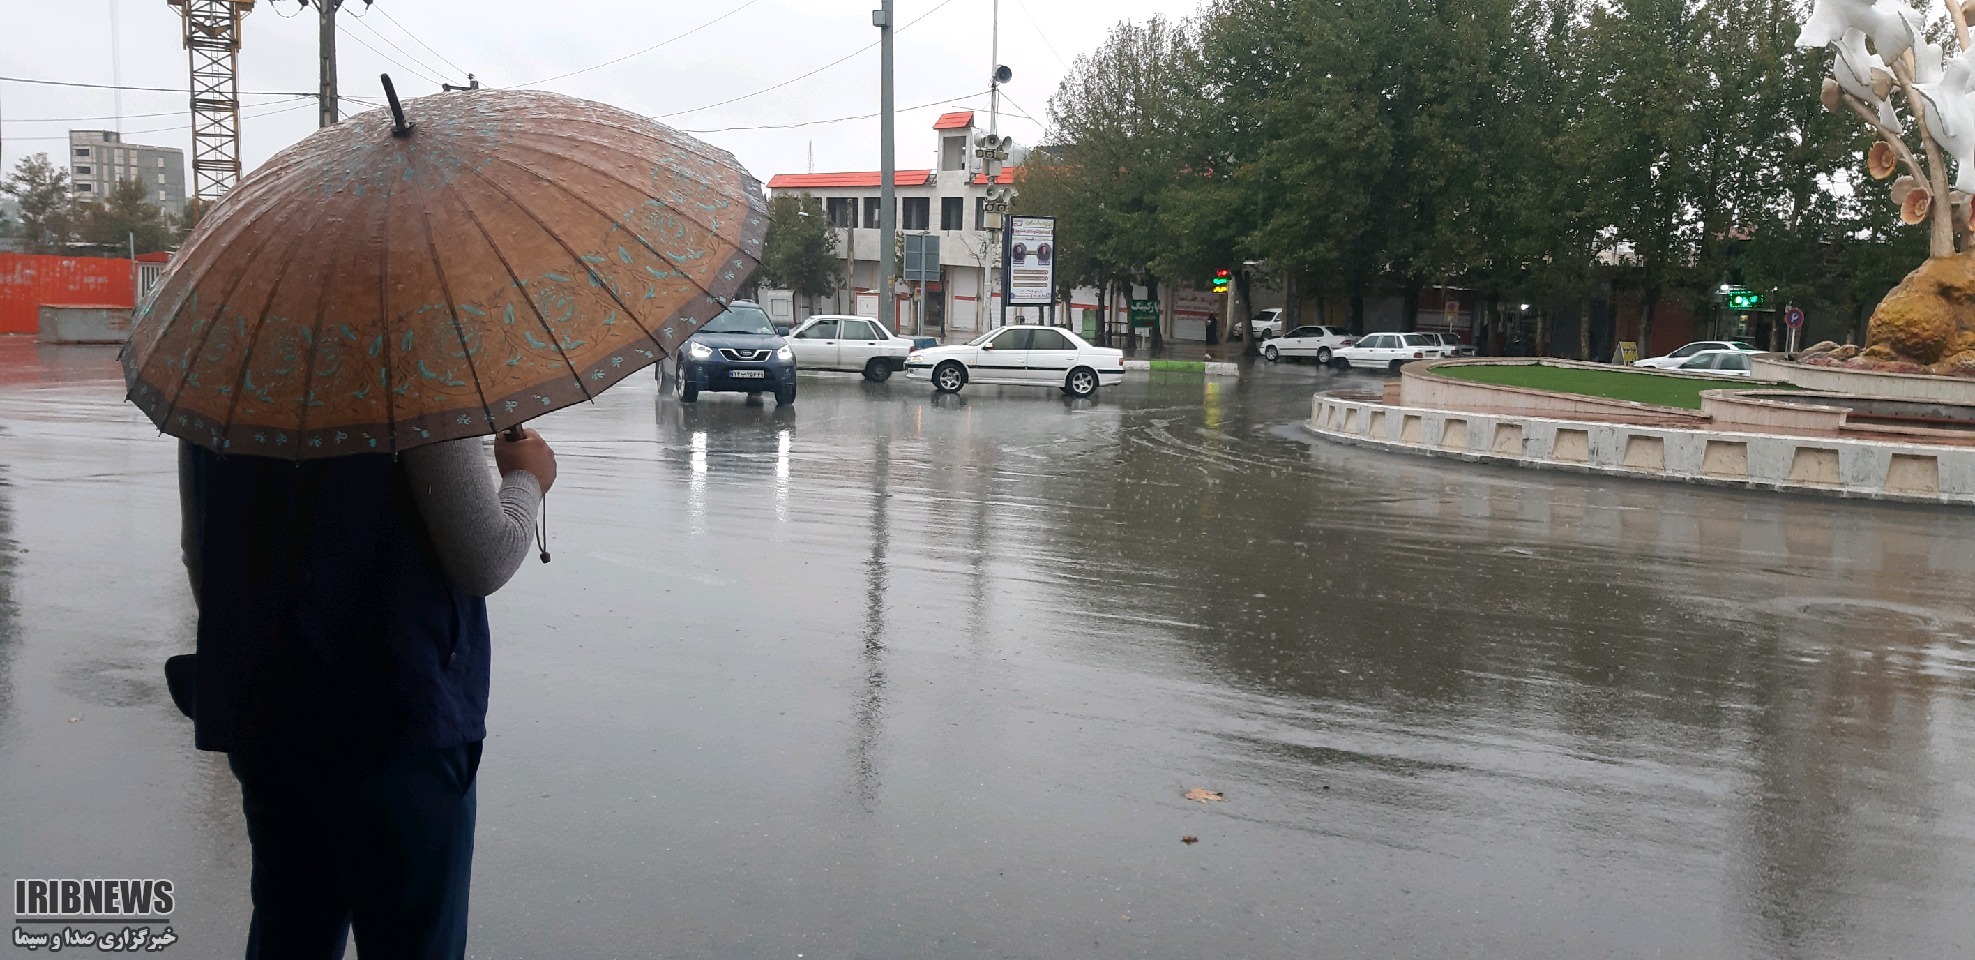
x=887, y=176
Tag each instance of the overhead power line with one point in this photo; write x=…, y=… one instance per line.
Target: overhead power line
x=124, y=86
x=457, y=69
x=280, y=106
x=844, y=59
x=639, y=53
x=811, y=123
x=393, y=45
x=414, y=71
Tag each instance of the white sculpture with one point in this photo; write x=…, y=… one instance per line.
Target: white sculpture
x=1879, y=47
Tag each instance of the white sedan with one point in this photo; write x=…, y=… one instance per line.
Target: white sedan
x=1727, y=363
x=1390, y=351
x=857, y=344
x=1318, y=342
x=1680, y=356
x=1024, y=355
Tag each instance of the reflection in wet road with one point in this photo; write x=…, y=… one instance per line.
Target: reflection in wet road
x=886, y=675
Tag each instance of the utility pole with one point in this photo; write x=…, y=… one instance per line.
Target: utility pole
x=887, y=187
x=326, y=62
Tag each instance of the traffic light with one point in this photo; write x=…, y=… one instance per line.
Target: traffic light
x=1744, y=299
x=1221, y=278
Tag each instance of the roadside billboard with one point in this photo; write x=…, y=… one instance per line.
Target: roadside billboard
x=1028, y=261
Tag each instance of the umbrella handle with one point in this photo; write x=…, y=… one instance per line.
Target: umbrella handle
x=512, y=434
x=400, y=128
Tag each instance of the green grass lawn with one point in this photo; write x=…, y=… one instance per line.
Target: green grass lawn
x=1641, y=387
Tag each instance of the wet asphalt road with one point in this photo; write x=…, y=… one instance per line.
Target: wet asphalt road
x=884, y=676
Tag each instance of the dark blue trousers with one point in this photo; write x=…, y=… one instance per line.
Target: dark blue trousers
x=383, y=846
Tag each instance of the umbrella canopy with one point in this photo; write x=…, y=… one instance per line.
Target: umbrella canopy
x=511, y=253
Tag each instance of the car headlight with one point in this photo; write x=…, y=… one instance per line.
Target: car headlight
x=915, y=358
x=785, y=353
x=698, y=351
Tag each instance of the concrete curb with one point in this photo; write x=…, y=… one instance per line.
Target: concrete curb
x=1826, y=466
x=1210, y=368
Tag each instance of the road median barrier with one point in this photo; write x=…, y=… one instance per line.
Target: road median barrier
x=1207, y=368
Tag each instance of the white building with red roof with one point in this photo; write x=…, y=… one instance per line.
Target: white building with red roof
x=947, y=199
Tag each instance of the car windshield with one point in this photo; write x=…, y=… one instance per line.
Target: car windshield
x=741, y=318
x=1416, y=340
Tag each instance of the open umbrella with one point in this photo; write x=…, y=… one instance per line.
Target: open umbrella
x=451, y=270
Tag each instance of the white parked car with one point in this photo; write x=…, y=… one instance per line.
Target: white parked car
x=1028, y=355
x=1728, y=363
x=1680, y=356
x=1318, y=342
x=857, y=344
x=1455, y=348
x=1267, y=323
x=1390, y=351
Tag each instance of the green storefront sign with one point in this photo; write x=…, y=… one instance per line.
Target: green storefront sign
x=1145, y=313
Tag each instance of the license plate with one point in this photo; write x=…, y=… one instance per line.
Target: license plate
x=746, y=374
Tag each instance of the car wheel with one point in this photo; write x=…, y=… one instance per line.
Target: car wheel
x=1396, y=364
x=1271, y=354
x=877, y=371
x=688, y=390
x=949, y=377
x=785, y=396
x=1323, y=356
x=1082, y=382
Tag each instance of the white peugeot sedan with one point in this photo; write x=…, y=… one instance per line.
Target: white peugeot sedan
x=1682, y=355
x=857, y=344
x=1390, y=351
x=1726, y=363
x=1023, y=355
x=1310, y=341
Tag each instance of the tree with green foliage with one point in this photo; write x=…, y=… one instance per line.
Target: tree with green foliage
x=47, y=217
x=127, y=218
x=1118, y=119
x=800, y=254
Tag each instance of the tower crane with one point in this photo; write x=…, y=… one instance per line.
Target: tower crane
x=212, y=43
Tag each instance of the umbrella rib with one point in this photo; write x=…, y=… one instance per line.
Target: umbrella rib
x=315, y=336
x=254, y=339
x=384, y=318
x=193, y=358
x=452, y=311
x=248, y=192
x=526, y=298
x=642, y=242
x=650, y=333
x=641, y=189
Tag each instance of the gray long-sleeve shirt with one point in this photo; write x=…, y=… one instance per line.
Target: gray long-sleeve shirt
x=481, y=530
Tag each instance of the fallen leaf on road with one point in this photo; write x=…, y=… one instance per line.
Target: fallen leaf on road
x=1189, y=840
x=1204, y=795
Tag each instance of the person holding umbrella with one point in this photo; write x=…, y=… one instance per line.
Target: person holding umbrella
x=332, y=346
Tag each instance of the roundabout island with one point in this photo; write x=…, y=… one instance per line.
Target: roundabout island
x=1872, y=436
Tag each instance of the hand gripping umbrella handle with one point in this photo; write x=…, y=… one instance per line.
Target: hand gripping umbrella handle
x=514, y=435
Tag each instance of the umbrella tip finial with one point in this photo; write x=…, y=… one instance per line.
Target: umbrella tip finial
x=400, y=128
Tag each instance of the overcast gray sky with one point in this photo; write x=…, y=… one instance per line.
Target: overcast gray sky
x=942, y=61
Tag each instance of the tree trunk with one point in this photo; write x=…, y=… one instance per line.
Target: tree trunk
x=1245, y=289
x=1584, y=324
x=1357, y=306
x=1292, y=303
x=1409, y=309
x=1158, y=318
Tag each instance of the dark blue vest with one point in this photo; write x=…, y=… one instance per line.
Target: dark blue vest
x=325, y=618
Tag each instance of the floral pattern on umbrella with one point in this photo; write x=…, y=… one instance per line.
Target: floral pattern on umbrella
x=515, y=252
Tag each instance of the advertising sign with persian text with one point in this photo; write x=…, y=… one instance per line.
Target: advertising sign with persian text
x=1029, y=261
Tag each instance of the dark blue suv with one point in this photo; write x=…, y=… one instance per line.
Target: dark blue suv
x=738, y=352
